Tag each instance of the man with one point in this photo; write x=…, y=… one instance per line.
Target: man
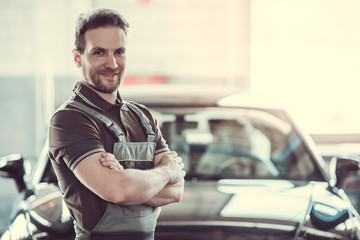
x=96, y=129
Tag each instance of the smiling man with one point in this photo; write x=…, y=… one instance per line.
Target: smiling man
x=103, y=59
x=96, y=130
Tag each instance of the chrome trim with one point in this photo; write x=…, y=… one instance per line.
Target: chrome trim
x=273, y=226
x=315, y=232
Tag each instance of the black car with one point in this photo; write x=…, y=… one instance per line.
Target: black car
x=251, y=174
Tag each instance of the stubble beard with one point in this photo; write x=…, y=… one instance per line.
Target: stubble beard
x=92, y=77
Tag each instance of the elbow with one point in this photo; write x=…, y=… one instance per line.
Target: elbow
x=180, y=193
x=178, y=197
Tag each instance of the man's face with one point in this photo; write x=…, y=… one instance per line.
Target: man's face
x=104, y=59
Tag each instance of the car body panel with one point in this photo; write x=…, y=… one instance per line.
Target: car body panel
x=254, y=199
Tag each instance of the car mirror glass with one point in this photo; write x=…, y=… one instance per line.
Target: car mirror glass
x=16, y=166
x=341, y=168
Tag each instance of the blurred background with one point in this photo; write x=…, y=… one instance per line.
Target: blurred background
x=304, y=53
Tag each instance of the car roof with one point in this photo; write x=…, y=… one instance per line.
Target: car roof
x=193, y=95
x=175, y=94
x=246, y=99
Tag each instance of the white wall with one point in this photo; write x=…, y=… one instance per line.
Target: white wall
x=205, y=40
x=306, y=53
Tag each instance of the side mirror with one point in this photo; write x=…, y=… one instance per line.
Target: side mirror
x=16, y=166
x=341, y=168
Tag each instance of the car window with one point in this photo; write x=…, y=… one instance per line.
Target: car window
x=237, y=143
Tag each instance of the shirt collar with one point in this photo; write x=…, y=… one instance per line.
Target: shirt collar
x=93, y=99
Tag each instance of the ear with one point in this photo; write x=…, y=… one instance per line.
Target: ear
x=77, y=57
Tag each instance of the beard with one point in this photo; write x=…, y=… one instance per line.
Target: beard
x=92, y=77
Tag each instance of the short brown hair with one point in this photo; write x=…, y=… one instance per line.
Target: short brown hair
x=95, y=19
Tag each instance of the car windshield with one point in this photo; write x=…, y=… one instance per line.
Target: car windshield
x=237, y=143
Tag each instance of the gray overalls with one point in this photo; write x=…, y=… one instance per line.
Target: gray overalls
x=125, y=222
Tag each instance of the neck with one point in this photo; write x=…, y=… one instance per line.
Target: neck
x=110, y=97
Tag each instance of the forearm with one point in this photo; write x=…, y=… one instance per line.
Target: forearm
x=158, y=186
x=127, y=187
x=137, y=186
x=171, y=193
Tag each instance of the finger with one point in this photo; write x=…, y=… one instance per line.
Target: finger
x=106, y=161
x=116, y=167
x=105, y=164
x=114, y=163
x=112, y=167
x=179, y=159
x=181, y=165
x=173, y=153
x=108, y=156
x=103, y=158
x=105, y=155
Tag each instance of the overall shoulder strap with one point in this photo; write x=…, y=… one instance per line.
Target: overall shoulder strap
x=144, y=120
x=107, y=121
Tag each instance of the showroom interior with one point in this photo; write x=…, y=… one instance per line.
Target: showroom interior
x=304, y=54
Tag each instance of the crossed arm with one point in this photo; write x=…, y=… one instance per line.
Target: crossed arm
x=163, y=184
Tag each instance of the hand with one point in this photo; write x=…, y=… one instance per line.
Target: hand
x=108, y=160
x=175, y=165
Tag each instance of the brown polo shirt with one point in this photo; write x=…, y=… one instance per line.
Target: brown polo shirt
x=74, y=135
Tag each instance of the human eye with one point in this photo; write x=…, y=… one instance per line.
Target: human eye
x=120, y=52
x=98, y=52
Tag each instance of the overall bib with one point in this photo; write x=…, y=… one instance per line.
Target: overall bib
x=125, y=222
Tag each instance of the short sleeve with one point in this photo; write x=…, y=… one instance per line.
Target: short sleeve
x=161, y=145
x=72, y=137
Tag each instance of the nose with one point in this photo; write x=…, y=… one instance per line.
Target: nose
x=111, y=62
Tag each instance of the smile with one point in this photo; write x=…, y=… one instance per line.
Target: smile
x=109, y=74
